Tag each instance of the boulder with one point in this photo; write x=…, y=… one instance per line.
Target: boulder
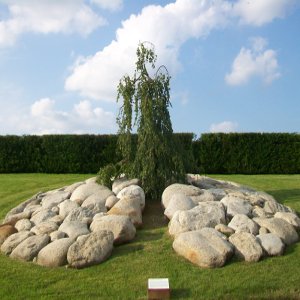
x=13, y=219
x=203, y=248
x=111, y=201
x=178, y=202
x=177, y=188
x=290, y=218
x=78, y=214
x=121, y=227
x=206, y=214
x=120, y=184
x=53, y=200
x=263, y=230
x=255, y=200
x=271, y=244
x=266, y=196
x=236, y=206
x=218, y=193
x=259, y=212
x=136, y=191
x=58, y=219
x=224, y=229
x=71, y=188
x=94, y=205
x=42, y=216
x=14, y=240
x=33, y=208
x=272, y=207
x=44, y=228
x=29, y=248
x=91, y=249
x=243, y=223
x=128, y=206
x=280, y=227
x=91, y=180
x=23, y=225
x=246, y=247
x=5, y=232
x=66, y=207
x=56, y=235
x=55, y=254
x=74, y=229
x=98, y=197
x=86, y=190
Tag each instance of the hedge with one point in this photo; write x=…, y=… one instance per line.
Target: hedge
x=215, y=153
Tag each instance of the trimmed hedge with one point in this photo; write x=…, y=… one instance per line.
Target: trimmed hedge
x=215, y=153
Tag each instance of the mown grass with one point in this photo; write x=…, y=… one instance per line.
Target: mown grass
x=124, y=275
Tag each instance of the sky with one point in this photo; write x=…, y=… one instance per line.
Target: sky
x=235, y=65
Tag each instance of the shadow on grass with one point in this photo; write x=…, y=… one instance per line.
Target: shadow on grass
x=179, y=293
x=284, y=195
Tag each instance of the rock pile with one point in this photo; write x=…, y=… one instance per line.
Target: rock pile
x=76, y=225
x=214, y=220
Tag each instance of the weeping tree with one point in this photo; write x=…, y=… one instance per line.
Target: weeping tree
x=158, y=158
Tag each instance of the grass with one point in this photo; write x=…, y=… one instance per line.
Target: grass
x=124, y=275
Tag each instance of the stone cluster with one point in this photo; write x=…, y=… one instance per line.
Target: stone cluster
x=76, y=225
x=213, y=220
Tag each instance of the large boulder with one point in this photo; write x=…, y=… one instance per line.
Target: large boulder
x=66, y=207
x=243, y=223
x=205, y=248
x=91, y=249
x=121, y=227
x=71, y=188
x=78, y=214
x=5, y=232
x=136, y=191
x=111, y=201
x=177, y=188
x=178, y=202
x=271, y=244
x=74, y=229
x=129, y=206
x=13, y=219
x=120, y=184
x=86, y=190
x=23, y=225
x=246, y=247
x=14, y=240
x=98, y=197
x=42, y=216
x=280, y=227
x=29, y=248
x=55, y=254
x=290, y=218
x=52, y=200
x=272, y=207
x=33, y=208
x=44, y=228
x=205, y=214
x=236, y=206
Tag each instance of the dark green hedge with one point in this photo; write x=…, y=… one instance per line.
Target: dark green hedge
x=248, y=153
x=216, y=153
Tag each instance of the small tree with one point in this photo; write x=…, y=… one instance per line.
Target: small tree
x=159, y=157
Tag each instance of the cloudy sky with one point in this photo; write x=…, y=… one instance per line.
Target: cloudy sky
x=235, y=64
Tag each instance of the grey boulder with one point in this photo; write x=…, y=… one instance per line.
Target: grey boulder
x=271, y=244
x=243, y=223
x=14, y=240
x=236, y=206
x=53, y=200
x=74, y=229
x=136, y=191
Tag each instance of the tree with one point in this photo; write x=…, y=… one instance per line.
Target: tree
x=159, y=157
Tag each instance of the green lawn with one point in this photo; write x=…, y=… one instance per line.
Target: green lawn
x=124, y=275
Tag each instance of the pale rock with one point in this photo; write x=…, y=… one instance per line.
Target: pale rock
x=263, y=230
x=55, y=254
x=5, y=232
x=255, y=200
x=218, y=193
x=274, y=207
x=74, y=229
x=78, y=201
x=99, y=216
x=14, y=240
x=44, y=228
x=204, y=196
x=178, y=202
x=236, y=206
x=71, y=188
x=246, y=247
x=58, y=219
x=53, y=200
x=121, y=227
x=203, y=248
x=120, y=184
x=206, y=214
x=42, y=216
x=98, y=197
x=111, y=201
x=33, y=208
x=57, y=235
x=136, y=191
x=243, y=223
x=91, y=180
x=224, y=229
x=266, y=196
x=29, y=248
x=94, y=207
x=129, y=206
x=86, y=190
x=282, y=228
x=55, y=209
x=66, y=207
x=78, y=214
x=177, y=188
x=290, y=218
x=271, y=244
x=91, y=249
x=13, y=219
x=23, y=225
x=259, y=212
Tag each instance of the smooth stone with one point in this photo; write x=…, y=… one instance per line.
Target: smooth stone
x=74, y=229
x=42, y=216
x=71, y=188
x=33, y=208
x=5, y=232
x=91, y=180
x=111, y=201
x=53, y=200
x=263, y=230
x=271, y=244
x=259, y=212
x=57, y=235
x=98, y=197
x=218, y=193
x=243, y=223
x=236, y=206
x=44, y=228
x=225, y=229
x=23, y=225
x=13, y=219
x=66, y=207
x=136, y=191
x=14, y=240
x=120, y=184
x=274, y=207
x=290, y=218
x=78, y=214
x=86, y=190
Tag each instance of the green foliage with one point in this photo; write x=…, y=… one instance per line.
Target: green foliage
x=159, y=158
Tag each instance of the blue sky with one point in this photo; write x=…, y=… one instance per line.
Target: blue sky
x=235, y=65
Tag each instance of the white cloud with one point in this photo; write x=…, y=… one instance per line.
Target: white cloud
x=225, y=127
x=47, y=16
x=254, y=62
x=259, y=12
x=113, y=5
x=44, y=119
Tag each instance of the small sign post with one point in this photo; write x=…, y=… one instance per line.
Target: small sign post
x=158, y=288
